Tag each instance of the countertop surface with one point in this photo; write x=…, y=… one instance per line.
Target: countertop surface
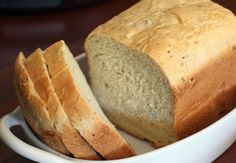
x=26, y=32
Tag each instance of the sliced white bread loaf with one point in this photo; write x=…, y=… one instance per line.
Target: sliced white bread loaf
x=34, y=109
x=163, y=70
x=80, y=105
x=71, y=138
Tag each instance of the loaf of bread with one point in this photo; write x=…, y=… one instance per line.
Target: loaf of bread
x=81, y=106
x=163, y=70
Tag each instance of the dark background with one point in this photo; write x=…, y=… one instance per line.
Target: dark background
x=27, y=30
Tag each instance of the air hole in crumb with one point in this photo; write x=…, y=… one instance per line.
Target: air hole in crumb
x=93, y=135
x=192, y=79
x=183, y=79
x=146, y=21
x=183, y=57
x=106, y=85
x=168, y=51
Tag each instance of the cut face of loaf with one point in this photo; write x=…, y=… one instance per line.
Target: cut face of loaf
x=70, y=137
x=34, y=109
x=168, y=72
x=132, y=89
x=80, y=105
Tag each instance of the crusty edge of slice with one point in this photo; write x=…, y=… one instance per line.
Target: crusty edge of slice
x=33, y=108
x=96, y=129
x=71, y=138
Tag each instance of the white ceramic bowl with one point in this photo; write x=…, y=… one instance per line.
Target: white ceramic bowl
x=202, y=147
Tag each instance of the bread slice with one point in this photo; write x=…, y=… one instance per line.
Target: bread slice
x=163, y=70
x=71, y=138
x=81, y=106
x=34, y=109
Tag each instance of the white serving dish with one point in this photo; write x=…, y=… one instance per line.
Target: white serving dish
x=202, y=147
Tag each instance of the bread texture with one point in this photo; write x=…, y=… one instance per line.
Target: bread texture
x=163, y=70
x=70, y=137
x=34, y=109
x=81, y=106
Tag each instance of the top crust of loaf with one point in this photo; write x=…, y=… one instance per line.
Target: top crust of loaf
x=177, y=34
x=83, y=111
x=34, y=109
x=37, y=69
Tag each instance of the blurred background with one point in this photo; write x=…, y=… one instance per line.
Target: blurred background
x=29, y=24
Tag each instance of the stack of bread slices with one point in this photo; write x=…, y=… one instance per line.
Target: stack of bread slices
x=59, y=106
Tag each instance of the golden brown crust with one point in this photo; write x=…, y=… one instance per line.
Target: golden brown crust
x=93, y=127
x=33, y=108
x=103, y=137
x=207, y=95
x=73, y=141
